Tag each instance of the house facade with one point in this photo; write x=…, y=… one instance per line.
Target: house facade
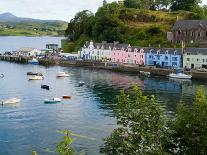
x=96, y=51
x=29, y=52
x=169, y=58
x=194, y=58
x=190, y=31
x=126, y=54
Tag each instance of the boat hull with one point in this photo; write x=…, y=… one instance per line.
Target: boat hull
x=180, y=76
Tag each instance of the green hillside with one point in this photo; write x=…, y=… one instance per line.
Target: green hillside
x=114, y=22
x=32, y=28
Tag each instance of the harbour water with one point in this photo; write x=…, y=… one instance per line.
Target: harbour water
x=33, y=125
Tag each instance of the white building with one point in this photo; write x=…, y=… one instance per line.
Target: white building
x=96, y=51
x=29, y=52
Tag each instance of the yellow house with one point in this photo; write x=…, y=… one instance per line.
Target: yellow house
x=195, y=58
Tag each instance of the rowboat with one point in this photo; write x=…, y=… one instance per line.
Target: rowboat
x=45, y=87
x=52, y=101
x=33, y=61
x=34, y=73
x=180, y=76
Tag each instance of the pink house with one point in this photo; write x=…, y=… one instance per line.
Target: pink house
x=123, y=53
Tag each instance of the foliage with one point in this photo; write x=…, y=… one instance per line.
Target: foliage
x=63, y=147
x=187, y=5
x=144, y=126
x=190, y=126
x=132, y=3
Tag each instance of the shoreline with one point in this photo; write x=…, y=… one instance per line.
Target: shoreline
x=125, y=68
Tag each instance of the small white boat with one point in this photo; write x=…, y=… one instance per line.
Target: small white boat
x=81, y=83
x=36, y=77
x=62, y=74
x=11, y=101
x=180, y=76
x=1, y=75
x=52, y=101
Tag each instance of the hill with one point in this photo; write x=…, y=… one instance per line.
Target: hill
x=18, y=26
x=114, y=22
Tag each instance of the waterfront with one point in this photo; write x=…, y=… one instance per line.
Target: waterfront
x=13, y=43
x=32, y=125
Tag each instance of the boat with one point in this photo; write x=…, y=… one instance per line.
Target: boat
x=180, y=76
x=1, y=75
x=45, y=87
x=11, y=101
x=145, y=73
x=52, y=101
x=33, y=61
x=34, y=73
x=81, y=83
x=62, y=74
x=36, y=77
x=66, y=97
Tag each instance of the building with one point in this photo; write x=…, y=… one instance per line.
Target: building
x=96, y=51
x=169, y=57
x=190, y=31
x=126, y=54
x=52, y=46
x=195, y=58
x=29, y=52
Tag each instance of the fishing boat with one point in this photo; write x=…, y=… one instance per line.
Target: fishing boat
x=62, y=74
x=11, y=101
x=33, y=61
x=34, y=73
x=52, y=101
x=180, y=76
x=66, y=97
x=45, y=87
x=36, y=77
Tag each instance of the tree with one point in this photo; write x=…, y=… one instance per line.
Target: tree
x=144, y=126
x=132, y=3
x=187, y=5
x=190, y=126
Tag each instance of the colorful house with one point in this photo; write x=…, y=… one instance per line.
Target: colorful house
x=126, y=54
x=195, y=58
x=169, y=57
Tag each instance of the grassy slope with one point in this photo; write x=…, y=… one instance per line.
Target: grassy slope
x=31, y=29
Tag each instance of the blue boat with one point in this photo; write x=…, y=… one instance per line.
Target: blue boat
x=33, y=62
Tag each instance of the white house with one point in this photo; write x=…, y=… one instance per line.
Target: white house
x=96, y=51
x=29, y=52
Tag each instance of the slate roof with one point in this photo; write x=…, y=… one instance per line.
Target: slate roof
x=163, y=50
x=189, y=24
x=196, y=51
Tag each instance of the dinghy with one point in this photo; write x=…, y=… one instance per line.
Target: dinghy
x=81, y=83
x=36, y=77
x=33, y=61
x=52, y=101
x=2, y=76
x=180, y=76
x=45, y=87
x=34, y=73
x=66, y=97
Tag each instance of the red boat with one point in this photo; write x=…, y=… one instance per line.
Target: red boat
x=66, y=97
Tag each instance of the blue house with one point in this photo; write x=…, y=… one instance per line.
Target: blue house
x=166, y=58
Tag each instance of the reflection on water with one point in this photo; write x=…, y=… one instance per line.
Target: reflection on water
x=32, y=125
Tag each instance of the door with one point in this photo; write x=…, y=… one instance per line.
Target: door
x=192, y=66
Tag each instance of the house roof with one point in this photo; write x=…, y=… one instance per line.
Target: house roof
x=163, y=50
x=196, y=51
x=189, y=24
x=26, y=49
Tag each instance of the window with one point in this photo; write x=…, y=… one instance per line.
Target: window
x=203, y=60
x=188, y=59
x=174, y=58
x=128, y=55
x=206, y=60
x=166, y=58
x=188, y=53
x=135, y=55
x=206, y=33
x=158, y=57
x=199, y=34
x=174, y=63
x=192, y=34
x=198, y=60
x=150, y=57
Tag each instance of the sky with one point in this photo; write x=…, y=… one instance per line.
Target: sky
x=50, y=9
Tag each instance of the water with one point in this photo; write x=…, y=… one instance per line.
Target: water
x=13, y=43
x=33, y=125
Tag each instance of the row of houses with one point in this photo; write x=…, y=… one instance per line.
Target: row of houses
x=149, y=56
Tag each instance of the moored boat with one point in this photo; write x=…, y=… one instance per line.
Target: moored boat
x=145, y=73
x=81, y=83
x=34, y=73
x=45, y=87
x=52, y=101
x=66, y=97
x=33, y=61
x=180, y=76
x=1, y=75
x=36, y=77
x=62, y=74
x=11, y=101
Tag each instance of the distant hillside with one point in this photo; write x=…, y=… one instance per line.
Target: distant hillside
x=13, y=25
